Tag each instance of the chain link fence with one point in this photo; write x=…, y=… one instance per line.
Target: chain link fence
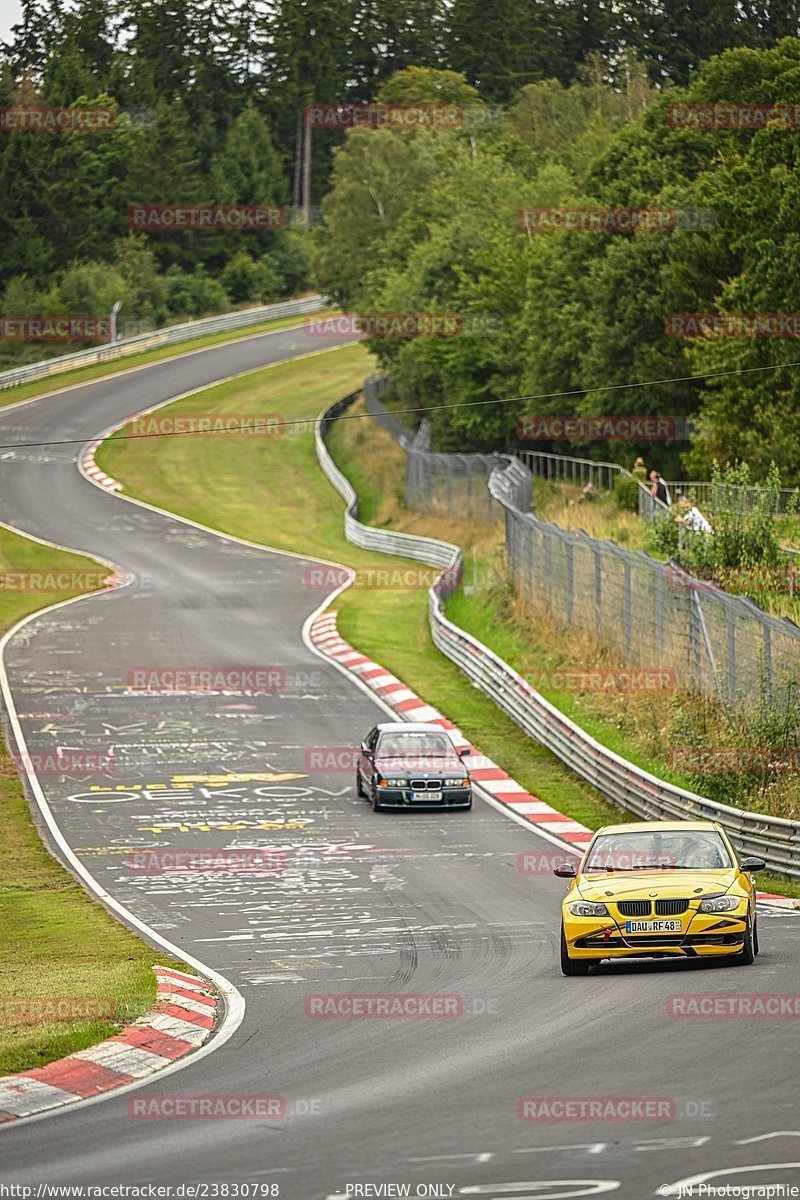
x=454, y=485
x=653, y=614
x=735, y=497
x=559, y=468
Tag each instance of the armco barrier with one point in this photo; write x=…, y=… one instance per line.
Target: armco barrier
x=161, y=337
x=626, y=785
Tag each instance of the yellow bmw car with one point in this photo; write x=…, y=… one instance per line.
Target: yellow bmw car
x=659, y=889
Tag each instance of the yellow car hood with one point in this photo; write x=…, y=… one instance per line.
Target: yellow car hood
x=637, y=885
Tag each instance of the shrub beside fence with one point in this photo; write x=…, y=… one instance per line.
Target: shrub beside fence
x=653, y=614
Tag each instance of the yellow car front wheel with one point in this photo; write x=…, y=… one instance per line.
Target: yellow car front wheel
x=749, y=950
x=572, y=966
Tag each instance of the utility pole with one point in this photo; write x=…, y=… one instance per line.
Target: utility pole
x=307, y=171
x=298, y=162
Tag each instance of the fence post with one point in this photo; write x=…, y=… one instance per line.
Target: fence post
x=628, y=615
x=767, y=662
x=548, y=565
x=570, y=579
x=530, y=542
x=598, y=591
x=731, y=632
x=660, y=612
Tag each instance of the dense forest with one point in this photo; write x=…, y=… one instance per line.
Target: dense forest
x=573, y=102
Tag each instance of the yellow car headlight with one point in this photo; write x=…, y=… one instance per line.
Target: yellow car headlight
x=584, y=908
x=720, y=904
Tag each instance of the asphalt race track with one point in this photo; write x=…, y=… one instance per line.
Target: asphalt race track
x=368, y=903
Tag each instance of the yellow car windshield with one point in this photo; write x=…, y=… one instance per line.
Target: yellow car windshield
x=679, y=850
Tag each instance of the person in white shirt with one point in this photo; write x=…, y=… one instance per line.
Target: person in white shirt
x=691, y=517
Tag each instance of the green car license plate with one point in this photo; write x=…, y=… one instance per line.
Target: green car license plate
x=426, y=797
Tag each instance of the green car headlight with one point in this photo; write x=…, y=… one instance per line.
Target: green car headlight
x=462, y=782
x=583, y=908
x=720, y=904
x=393, y=783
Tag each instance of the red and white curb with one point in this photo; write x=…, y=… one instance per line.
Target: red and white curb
x=182, y=1019
x=492, y=779
x=93, y=471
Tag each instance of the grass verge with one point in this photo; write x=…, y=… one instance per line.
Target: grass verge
x=57, y=942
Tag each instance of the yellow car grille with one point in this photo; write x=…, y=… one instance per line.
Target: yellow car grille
x=644, y=908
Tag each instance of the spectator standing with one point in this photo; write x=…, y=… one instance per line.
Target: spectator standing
x=658, y=488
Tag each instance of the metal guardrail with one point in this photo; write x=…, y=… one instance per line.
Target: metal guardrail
x=385, y=541
x=560, y=468
x=161, y=337
x=629, y=787
x=739, y=498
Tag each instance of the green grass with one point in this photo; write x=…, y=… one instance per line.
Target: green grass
x=81, y=375
x=600, y=516
x=56, y=941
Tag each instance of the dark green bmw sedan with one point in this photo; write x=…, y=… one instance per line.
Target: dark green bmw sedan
x=404, y=765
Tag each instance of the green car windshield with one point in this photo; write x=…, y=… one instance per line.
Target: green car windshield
x=416, y=745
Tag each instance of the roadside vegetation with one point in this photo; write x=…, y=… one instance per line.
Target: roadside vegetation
x=57, y=942
x=263, y=485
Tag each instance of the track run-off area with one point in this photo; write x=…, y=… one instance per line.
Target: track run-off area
x=408, y=904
